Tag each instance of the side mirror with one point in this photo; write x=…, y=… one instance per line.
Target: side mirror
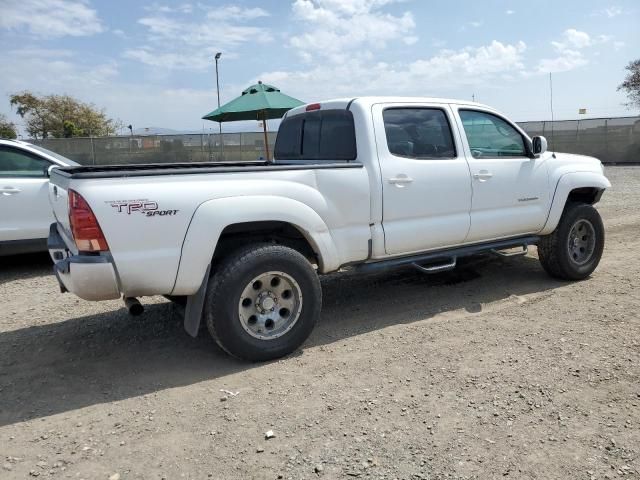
x=539, y=145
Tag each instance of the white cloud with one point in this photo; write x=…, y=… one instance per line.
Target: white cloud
x=613, y=11
x=610, y=12
x=185, y=41
x=156, y=7
x=23, y=70
x=471, y=61
x=509, y=12
x=342, y=39
x=339, y=29
x=570, y=51
x=139, y=103
x=442, y=72
x=50, y=18
x=233, y=12
x=568, y=60
x=576, y=38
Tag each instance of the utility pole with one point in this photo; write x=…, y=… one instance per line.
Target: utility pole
x=551, y=105
x=217, y=57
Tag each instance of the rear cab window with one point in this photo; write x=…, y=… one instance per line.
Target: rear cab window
x=325, y=135
x=419, y=133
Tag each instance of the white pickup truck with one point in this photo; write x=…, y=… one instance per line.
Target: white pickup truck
x=363, y=183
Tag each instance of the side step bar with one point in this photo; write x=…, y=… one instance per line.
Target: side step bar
x=437, y=268
x=450, y=256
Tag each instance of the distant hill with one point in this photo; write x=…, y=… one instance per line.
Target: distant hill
x=161, y=131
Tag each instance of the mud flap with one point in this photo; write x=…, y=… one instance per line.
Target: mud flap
x=195, y=304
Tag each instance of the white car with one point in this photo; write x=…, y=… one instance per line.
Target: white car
x=25, y=211
x=365, y=183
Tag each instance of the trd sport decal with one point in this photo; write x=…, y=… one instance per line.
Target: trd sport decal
x=146, y=207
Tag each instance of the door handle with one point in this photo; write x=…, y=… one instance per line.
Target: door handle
x=400, y=180
x=482, y=175
x=6, y=191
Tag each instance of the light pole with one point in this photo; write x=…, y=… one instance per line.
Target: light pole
x=217, y=57
x=130, y=127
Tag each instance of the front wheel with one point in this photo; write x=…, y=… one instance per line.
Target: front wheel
x=263, y=302
x=574, y=249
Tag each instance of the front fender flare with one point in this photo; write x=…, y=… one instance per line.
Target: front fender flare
x=567, y=183
x=213, y=216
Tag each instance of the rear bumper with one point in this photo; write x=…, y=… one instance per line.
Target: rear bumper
x=91, y=277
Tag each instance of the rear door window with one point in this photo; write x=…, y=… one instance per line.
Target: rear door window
x=421, y=133
x=317, y=135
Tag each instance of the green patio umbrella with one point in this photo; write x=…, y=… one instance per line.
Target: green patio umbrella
x=258, y=102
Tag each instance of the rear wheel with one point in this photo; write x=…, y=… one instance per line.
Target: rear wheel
x=574, y=249
x=262, y=302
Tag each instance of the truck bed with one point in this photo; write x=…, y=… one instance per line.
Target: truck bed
x=152, y=169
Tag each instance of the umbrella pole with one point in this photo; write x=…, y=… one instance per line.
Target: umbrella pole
x=266, y=139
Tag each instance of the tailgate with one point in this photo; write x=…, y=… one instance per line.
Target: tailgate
x=58, y=197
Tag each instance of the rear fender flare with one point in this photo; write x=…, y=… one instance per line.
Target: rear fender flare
x=213, y=216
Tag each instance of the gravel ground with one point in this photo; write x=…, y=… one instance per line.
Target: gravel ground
x=492, y=371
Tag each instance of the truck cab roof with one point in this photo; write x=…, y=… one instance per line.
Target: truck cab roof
x=368, y=101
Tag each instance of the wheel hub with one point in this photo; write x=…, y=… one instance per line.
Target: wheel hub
x=266, y=302
x=270, y=305
x=582, y=241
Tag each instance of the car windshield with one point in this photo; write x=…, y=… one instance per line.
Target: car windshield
x=57, y=156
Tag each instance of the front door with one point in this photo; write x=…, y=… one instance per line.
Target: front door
x=510, y=187
x=25, y=212
x=425, y=177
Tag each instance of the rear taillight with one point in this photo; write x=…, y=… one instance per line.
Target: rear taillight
x=84, y=225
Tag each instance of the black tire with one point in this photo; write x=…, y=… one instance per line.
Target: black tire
x=554, y=250
x=226, y=287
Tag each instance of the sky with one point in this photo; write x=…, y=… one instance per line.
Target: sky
x=150, y=64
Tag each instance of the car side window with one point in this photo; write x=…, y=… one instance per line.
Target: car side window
x=420, y=133
x=17, y=164
x=490, y=136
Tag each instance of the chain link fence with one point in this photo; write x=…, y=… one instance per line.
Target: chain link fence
x=612, y=140
x=138, y=149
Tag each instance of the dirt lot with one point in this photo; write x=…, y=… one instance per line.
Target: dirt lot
x=491, y=371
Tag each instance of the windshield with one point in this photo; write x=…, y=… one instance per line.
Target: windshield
x=57, y=156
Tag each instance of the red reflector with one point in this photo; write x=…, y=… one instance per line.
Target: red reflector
x=84, y=225
x=313, y=106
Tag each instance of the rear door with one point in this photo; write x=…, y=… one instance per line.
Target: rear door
x=425, y=177
x=25, y=212
x=510, y=187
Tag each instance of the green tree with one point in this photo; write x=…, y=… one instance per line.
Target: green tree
x=631, y=84
x=61, y=116
x=7, y=128
x=70, y=130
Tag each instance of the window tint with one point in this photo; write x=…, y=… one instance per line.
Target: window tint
x=491, y=136
x=14, y=163
x=288, y=145
x=317, y=135
x=418, y=133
